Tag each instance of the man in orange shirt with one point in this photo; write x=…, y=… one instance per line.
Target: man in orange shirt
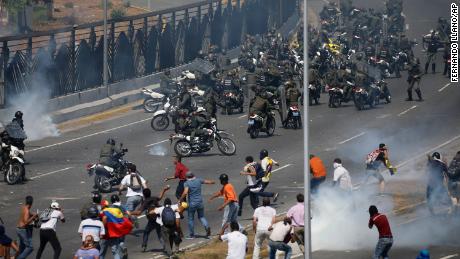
x=318, y=171
x=230, y=205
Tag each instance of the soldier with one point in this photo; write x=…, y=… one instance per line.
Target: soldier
x=431, y=52
x=414, y=76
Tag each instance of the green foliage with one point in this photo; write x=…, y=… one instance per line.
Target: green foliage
x=39, y=14
x=117, y=13
x=68, y=5
x=109, y=4
x=14, y=6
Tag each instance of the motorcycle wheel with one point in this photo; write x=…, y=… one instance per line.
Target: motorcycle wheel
x=160, y=122
x=151, y=105
x=183, y=148
x=336, y=101
x=13, y=175
x=103, y=184
x=253, y=132
x=226, y=146
x=271, y=125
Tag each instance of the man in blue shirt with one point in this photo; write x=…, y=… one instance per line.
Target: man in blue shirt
x=192, y=189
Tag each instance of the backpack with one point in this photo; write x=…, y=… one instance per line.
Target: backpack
x=371, y=157
x=259, y=171
x=135, y=183
x=45, y=215
x=168, y=216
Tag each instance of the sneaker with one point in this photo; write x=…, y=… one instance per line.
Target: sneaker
x=208, y=232
x=275, y=197
x=144, y=248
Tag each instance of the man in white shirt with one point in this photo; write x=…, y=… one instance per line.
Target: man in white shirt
x=237, y=242
x=135, y=184
x=249, y=170
x=92, y=226
x=278, y=236
x=170, y=227
x=49, y=221
x=263, y=218
x=342, y=176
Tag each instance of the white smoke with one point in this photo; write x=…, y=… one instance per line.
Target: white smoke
x=37, y=121
x=158, y=150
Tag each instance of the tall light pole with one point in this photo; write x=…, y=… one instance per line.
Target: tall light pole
x=306, y=171
x=105, y=68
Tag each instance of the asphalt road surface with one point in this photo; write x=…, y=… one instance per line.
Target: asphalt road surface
x=57, y=165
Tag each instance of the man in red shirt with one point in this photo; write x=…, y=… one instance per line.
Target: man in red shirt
x=385, y=237
x=181, y=171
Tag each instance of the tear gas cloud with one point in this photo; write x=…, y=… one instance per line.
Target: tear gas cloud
x=339, y=222
x=158, y=150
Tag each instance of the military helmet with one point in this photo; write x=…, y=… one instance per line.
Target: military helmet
x=111, y=141
x=436, y=155
x=18, y=114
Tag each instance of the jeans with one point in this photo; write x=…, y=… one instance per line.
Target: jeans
x=263, y=193
x=315, y=182
x=382, y=248
x=199, y=209
x=252, y=197
x=114, y=244
x=274, y=246
x=133, y=202
x=152, y=225
x=25, y=242
x=171, y=239
x=230, y=213
x=259, y=238
x=49, y=235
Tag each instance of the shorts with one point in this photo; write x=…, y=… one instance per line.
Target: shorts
x=372, y=170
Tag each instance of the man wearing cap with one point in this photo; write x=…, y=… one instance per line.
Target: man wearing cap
x=48, y=230
x=192, y=189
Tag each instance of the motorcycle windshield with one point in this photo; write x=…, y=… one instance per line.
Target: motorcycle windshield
x=15, y=131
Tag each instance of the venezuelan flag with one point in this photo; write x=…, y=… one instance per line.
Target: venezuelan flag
x=117, y=225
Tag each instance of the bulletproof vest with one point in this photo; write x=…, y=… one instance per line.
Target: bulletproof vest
x=258, y=104
x=292, y=95
x=106, y=151
x=433, y=47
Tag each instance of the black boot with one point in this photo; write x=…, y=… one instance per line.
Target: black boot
x=409, y=95
x=419, y=94
x=426, y=68
x=433, y=68
x=445, y=70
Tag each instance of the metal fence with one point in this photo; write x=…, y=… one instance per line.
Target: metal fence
x=70, y=60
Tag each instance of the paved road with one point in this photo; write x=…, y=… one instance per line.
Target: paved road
x=57, y=165
x=155, y=5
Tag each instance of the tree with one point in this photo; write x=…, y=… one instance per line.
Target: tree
x=14, y=6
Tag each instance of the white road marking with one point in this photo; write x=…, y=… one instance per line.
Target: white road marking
x=383, y=116
x=444, y=87
x=449, y=256
x=242, y=116
x=87, y=136
x=357, y=136
x=406, y=111
x=281, y=168
x=156, y=143
x=54, y=172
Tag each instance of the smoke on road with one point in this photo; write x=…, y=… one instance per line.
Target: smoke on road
x=158, y=150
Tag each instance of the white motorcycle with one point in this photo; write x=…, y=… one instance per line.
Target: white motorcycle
x=153, y=100
x=13, y=164
x=160, y=120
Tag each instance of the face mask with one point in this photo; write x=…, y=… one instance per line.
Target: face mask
x=336, y=165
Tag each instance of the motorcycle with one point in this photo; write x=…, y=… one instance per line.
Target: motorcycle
x=105, y=176
x=383, y=93
x=185, y=146
x=293, y=120
x=13, y=164
x=362, y=97
x=152, y=101
x=336, y=96
x=256, y=122
x=160, y=120
x=232, y=100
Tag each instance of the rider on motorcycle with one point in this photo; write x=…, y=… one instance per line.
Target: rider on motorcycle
x=261, y=106
x=292, y=98
x=198, y=125
x=18, y=118
x=185, y=99
x=211, y=100
x=167, y=84
x=109, y=153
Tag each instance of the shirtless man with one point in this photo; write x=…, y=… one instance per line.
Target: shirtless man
x=25, y=227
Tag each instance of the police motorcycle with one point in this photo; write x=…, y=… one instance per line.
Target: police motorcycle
x=293, y=119
x=382, y=91
x=12, y=153
x=363, y=96
x=153, y=100
x=162, y=118
x=255, y=121
x=185, y=146
x=105, y=177
x=314, y=93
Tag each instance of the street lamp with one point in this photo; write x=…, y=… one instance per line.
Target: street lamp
x=105, y=68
